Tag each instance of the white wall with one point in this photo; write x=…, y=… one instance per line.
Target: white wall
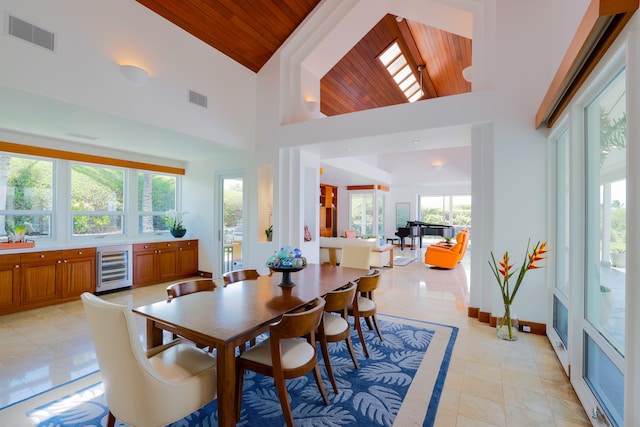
x=92, y=38
x=247, y=110
x=519, y=189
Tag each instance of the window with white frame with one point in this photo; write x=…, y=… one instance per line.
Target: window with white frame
x=156, y=195
x=97, y=200
x=26, y=196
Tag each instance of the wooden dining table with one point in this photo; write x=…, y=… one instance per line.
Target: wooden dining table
x=232, y=315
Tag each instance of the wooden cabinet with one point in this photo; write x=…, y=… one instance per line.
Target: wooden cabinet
x=328, y=210
x=188, y=258
x=145, y=264
x=37, y=279
x=41, y=278
x=79, y=271
x=164, y=261
x=9, y=282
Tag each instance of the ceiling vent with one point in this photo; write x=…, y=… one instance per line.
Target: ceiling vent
x=29, y=32
x=198, y=99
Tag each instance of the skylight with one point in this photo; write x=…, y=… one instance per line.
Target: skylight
x=397, y=66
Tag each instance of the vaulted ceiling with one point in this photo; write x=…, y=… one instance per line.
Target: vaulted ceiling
x=250, y=32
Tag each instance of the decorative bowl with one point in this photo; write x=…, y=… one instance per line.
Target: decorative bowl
x=286, y=274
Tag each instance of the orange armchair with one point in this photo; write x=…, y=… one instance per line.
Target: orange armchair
x=445, y=256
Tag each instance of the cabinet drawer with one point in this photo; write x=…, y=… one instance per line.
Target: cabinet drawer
x=12, y=259
x=78, y=253
x=140, y=247
x=40, y=256
x=186, y=243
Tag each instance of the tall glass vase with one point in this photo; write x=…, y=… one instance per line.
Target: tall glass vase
x=507, y=325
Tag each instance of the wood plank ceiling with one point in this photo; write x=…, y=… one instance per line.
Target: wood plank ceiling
x=250, y=32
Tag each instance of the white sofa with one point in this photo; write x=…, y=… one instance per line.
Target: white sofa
x=331, y=250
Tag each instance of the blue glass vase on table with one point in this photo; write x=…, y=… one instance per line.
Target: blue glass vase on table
x=287, y=260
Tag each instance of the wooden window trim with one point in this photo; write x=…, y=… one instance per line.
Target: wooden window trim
x=11, y=147
x=603, y=21
x=368, y=187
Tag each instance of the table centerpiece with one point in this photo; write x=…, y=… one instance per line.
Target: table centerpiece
x=287, y=260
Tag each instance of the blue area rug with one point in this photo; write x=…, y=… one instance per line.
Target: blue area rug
x=369, y=396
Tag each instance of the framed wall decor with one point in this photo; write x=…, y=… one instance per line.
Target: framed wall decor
x=403, y=214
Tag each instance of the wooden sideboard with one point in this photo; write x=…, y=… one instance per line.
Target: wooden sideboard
x=37, y=279
x=164, y=261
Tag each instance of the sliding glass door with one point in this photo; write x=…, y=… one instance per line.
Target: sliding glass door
x=605, y=276
x=588, y=316
x=559, y=333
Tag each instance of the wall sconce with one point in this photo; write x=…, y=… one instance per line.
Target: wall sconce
x=312, y=104
x=437, y=165
x=136, y=75
x=467, y=74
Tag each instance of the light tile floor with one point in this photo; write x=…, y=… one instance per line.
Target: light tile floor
x=490, y=382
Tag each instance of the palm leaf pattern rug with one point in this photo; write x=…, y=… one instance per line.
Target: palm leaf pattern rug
x=369, y=396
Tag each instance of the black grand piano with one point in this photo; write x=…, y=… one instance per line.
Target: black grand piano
x=417, y=229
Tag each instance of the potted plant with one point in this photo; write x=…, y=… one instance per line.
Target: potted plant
x=619, y=257
x=506, y=328
x=173, y=220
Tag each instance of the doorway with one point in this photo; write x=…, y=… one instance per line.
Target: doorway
x=232, y=235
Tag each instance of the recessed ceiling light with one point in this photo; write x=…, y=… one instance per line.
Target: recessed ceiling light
x=415, y=141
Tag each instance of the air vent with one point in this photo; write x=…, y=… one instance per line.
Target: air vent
x=198, y=99
x=29, y=32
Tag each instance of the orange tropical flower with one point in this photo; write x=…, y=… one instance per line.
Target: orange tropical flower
x=502, y=272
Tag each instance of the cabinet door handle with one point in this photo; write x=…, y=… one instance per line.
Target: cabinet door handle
x=59, y=262
x=41, y=255
x=66, y=260
x=17, y=265
x=79, y=252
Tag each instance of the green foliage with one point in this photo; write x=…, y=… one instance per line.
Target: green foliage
x=613, y=133
x=31, y=181
x=232, y=210
x=163, y=192
x=96, y=189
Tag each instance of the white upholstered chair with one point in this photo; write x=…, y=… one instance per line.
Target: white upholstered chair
x=155, y=388
x=355, y=256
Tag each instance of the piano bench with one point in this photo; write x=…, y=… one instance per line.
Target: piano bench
x=393, y=240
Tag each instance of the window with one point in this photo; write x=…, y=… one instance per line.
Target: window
x=97, y=200
x=396, y=64
x=362, y=213
x=26, y=195
x=156, y=195
x=450, y=210
x=605, y=246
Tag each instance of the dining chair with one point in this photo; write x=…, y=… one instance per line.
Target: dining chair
x=336, y=326
x=364, y=306
x=155, y=388
x=189, y=287
x=289, y=352
x=238, y=275
x=355, y=256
